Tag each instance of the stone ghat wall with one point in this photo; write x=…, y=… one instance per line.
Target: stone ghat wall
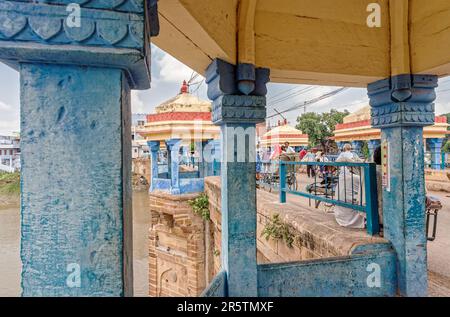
x=141, y=166
x=176, y=247
x=316, y=234
x=185, y=250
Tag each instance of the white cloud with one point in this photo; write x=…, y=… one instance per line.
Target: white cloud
x=9, y=118
x=172, y=70
x=442, y=107
x=137, y=105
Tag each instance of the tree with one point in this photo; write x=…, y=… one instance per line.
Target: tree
x=320, y=127
x=365, y=150
x=448, y=119
x=446, y=147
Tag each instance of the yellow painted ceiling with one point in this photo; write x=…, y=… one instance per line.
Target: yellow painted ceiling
x=324, y=42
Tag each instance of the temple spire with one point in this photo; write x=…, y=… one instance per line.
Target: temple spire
x=184, y=88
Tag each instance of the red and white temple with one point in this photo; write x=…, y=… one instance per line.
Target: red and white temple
x=357, y=128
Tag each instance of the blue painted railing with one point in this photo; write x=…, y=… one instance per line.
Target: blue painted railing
x=330, y=193
x=331, y=157
x=444, y=161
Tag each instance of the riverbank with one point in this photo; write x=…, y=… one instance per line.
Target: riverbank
x=9, y=190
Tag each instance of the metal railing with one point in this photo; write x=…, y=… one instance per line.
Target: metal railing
x=348, y=185
x=445, y=160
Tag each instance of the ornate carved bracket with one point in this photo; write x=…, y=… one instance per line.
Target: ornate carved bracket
x=230, y=104
x=403, y=100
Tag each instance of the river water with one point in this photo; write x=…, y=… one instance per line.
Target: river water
x=10, y=264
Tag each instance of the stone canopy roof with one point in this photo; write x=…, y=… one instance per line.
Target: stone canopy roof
x=284, y=133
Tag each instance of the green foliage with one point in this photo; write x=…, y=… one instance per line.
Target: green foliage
x=9, y=183
x=320, y=126
x=278, y=230
x=200, y=206
x=448, y=119
x=216, y=252
x=365, y=150
x=446, y=147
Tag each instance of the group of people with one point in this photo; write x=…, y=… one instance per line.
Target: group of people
x=349, y=179
x=313, y=155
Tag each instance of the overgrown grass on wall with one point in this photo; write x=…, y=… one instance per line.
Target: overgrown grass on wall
x=9, y=183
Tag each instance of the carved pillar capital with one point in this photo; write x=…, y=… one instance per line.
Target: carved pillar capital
x=110, y=34
x=403, y=100
x=153, y=146
x=232, y=103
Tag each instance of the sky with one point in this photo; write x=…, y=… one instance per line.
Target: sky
x=168, y=75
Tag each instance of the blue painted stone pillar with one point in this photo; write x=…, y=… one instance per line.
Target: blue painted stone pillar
x=76, y=140
x=217, y=157
x=173, y=148
x=154, y=149
x=237, y=110
x=208, y=158
x=401, y=107
x=435, y=146
x=372, y=145
x=199, y=149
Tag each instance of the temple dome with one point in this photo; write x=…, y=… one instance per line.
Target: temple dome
x=184, y=102
x=184, y=116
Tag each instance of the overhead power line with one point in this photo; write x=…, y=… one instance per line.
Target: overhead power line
x=282, y=93
x=310, y=102
x=292, y=95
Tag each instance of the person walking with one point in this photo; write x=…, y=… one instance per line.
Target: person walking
x=310, y=157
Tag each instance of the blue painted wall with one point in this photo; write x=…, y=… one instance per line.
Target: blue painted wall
x=217, y=287
x=337, y=277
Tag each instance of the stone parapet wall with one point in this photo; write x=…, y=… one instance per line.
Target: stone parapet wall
x=176, y=247
x=212, y=190
x=437, y=180
x=185, y=250
x=316, y=234
x=437, y=175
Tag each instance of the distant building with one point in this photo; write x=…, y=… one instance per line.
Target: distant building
x=357, y=128
x=139, y=144
x=184, y=117
x=284, y=133
x=9, y=153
